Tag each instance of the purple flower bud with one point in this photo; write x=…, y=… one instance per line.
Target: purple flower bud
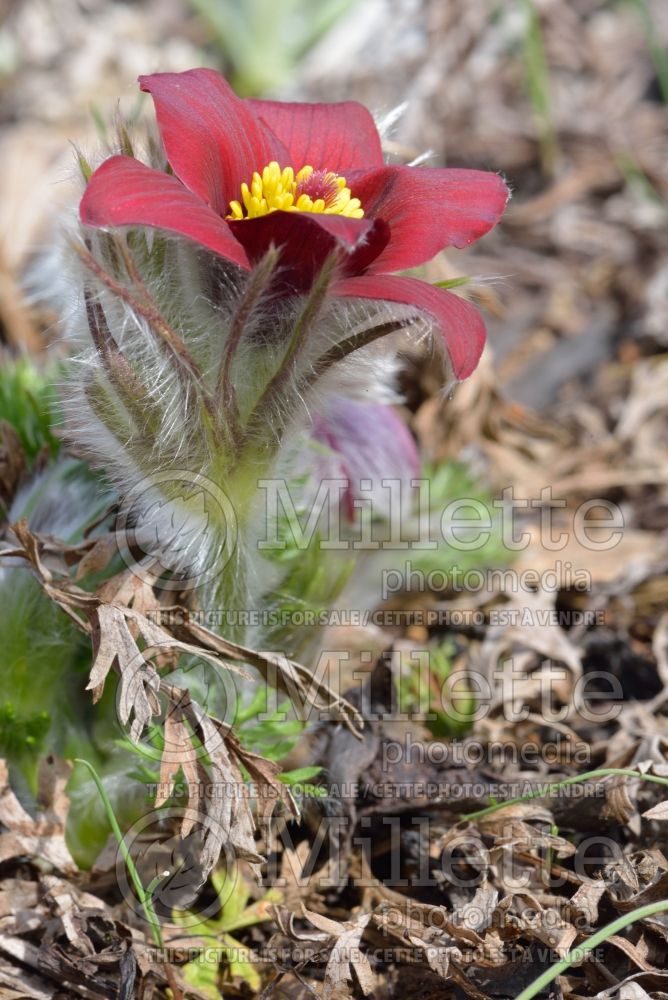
x=369, y=445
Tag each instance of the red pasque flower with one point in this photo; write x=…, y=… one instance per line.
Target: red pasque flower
x=310, y=179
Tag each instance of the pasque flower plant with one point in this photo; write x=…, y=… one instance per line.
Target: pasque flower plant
x=241, y=295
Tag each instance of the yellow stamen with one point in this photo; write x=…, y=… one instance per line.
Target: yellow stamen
x=308, y=191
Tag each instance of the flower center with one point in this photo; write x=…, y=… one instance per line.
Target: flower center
x=307, y=191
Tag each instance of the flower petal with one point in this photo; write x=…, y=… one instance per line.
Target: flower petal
x=428, y=209
x=461, y=325
x=308, y=238
x=336, y=137
x=125, y=192
x=366, y=443
x=212, y=139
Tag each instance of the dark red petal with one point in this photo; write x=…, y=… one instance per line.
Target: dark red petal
x=212, y=139
x=461, y=325
x=308, y=238
x=125, y=192
x=336, y=137
x=428, y=209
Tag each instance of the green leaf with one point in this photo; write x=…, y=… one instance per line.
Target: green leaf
x=299, y=775
x=28, y=402
x=452, y=282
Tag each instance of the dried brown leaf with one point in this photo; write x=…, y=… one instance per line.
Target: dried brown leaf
x=345, y=955
x=177, y=754
x=127, y=640
x=585, y=901
x=98, y=556
x=657, y=812
x=42, y=837
x=636, y=953
x=308, y=693
x=270, y=789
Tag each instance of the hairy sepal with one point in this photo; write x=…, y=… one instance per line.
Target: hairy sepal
x=211, y=374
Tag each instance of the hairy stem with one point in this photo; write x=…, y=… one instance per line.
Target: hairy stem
x=225, y=396
x=262, y=411
x=353, y=343
x=167, y=337
x=184, y=364
x=122, y=375
x=106, y=408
